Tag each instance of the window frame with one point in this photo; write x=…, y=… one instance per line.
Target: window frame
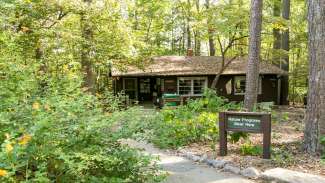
x=192, y=85
x=235, y=78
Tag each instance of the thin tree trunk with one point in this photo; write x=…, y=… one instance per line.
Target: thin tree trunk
x=197, y=44
x=254, y=55
x=222, y=69
x=86, y=61
x=188, y=33
x=43, y=67
x=315, y=114
x=212, y=50
x=188, y=29
x=183, y=40
x=197, y=38
x=276, y=34
x=285, y=61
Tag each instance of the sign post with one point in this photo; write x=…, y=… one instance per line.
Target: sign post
x=250, y=122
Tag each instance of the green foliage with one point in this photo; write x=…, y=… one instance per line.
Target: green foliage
x=66, y=137
x=174, y=127
x=196, y=121
x=51, y=131
x=278, y=117
x=139, y=126
x=282, y=156
x=322, y=141
x=110, y=102
x=174, y=130
x=250, y=149
x=236, y=136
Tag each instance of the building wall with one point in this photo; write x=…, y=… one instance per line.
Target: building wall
x=269, y=87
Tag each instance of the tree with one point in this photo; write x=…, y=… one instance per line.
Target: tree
x=315, y=114
x=223, y=51
x=276, y=32
x=285, y=46
x=212, y=50
x=230, y=33
x=197, y=33
x=188, y=29
x=86, y=61
x=252, y=74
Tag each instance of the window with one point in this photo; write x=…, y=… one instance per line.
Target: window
x=191, y=85
x=229, y=87
x=240, y=84
x=145, y=86
x=184, y=86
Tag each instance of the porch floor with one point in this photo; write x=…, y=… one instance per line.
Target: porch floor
x=147, y=105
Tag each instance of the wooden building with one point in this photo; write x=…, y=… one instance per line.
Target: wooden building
x=187, y=76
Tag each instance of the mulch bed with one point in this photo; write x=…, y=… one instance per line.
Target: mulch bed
x=287, y=139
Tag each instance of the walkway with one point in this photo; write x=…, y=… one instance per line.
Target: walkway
x=182, y=170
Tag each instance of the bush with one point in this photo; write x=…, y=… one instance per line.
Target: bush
x=250, y=149
x=193, y=122
x=66, y=137
x=174, y=131
x=134, y=123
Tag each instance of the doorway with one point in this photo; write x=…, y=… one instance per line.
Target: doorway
x=145, y=89
x=130, y=87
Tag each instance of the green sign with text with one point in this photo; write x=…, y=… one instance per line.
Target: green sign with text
x=243, y=122
x=250, y=122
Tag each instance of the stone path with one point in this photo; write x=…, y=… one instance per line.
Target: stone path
x=289, y=176
x=182, y=170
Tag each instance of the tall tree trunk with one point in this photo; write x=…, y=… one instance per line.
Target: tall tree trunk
x=315, y=114
x=188, y=29
x=188, y=35
x=285, y=61
x=212, y=49
x=252, y=74
x=276, y=34
x=197, y=38
x=197, y=44
x=86, y=61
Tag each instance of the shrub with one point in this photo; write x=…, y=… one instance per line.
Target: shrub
x=193, y=122
x=174, y=131
x=133, y=123
x=66, y=137
x=250, y=149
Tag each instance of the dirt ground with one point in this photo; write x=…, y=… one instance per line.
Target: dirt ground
x=287, y=137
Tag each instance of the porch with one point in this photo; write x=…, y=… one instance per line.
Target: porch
x=142, y=90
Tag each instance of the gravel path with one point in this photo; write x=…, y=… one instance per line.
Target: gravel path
x=181, y=170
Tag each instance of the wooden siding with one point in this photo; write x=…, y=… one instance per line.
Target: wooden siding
x=269, y=87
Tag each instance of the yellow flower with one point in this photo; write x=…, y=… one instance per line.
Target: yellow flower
x=9, y=148
x=3, y=173
x=24, y=139
x=7, y=135
x=36, y=105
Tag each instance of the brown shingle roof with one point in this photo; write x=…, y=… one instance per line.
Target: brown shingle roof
x=196, y=65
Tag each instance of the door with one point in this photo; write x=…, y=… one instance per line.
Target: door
x=130, y=86
x=145, y=89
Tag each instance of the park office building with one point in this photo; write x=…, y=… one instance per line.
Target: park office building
x=187, y=76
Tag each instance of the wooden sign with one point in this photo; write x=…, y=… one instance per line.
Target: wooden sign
x=250, y=122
